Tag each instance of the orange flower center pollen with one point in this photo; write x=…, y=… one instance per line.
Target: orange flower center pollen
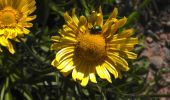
x=91, y=47
x=8, y=17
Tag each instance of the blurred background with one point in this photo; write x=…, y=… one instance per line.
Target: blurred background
x=28, y=75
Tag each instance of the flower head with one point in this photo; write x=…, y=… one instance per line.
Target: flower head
x=14, y=20
x=90, y=46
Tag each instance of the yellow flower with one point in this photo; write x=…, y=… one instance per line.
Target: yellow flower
x=90, y=46
x=14, y=20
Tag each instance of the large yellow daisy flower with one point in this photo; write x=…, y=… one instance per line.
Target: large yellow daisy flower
x=14, y=20
x=90, y=46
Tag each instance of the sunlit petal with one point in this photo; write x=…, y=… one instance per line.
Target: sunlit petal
x=118, y=60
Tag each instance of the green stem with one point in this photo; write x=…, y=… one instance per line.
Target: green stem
x=84, y=4
x=144, y=3
x=100, y=90
x=134, y=16
x=30, y=51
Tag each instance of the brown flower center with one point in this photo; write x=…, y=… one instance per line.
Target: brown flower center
x=91, y=47
x=9, y=17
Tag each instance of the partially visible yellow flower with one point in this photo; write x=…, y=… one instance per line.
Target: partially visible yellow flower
x=90, y=46
x=14, y=20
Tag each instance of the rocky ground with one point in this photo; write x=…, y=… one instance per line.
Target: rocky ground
x=157, y=47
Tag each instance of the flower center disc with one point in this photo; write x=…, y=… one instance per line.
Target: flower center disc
x=91, y=47
x=8, y=17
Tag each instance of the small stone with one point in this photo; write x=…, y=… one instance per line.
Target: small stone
x=149, y=31
x=166, y=76
x=149, y=39
x=150, y=75
x=168, y=23
x=156, y=61
x=146, y=53
x=155, y=48
x=164, y=90
x=167, y=53
x=118, y=1
x=168, y=36
x=167, y=43
x=163, y=36
x=162, y=43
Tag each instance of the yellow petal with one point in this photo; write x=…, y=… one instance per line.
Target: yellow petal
x=117, y=68
x=68, y=67
x=67, y=18
x=103, y=73
x=3, y=42
x=55, y=38
x=54, y=46
x=99, y=72
x=127, y=54
x=28, y=8
x=68, y=39
x=111, y=68
x=106, y=73
x=123, y=65
x=93, y=77
x=92, y=74
x=30, y=18
x=114, y=13
x=122, y=22
x=85, y=81
x=63, y=52
x=74, y=17
x=83, y=21
x=126, y=33
x=77, y=63
x=81, y=70
x=10, y=48
x=64, y=63
x=67, y=56
x=99, y=20
x=122, y=47
x=70, y=22
x=67, y=32
x=119, y=74
x=109, y=28
x=66, y=73
x=54, y=63
x=124, y=41
x=74, y=74
x=26, y=31
x=114, y=28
